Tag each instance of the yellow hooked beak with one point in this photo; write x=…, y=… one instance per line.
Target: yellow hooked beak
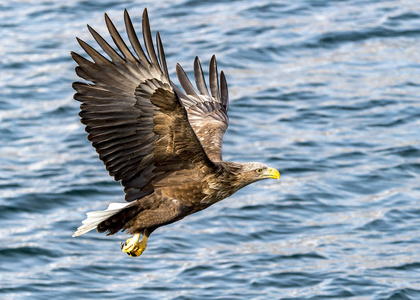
x=272, y=173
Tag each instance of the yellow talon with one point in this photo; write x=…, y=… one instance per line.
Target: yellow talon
x=133, y=247
x=130, y=244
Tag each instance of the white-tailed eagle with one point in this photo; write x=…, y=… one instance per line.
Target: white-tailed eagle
x=162, y=143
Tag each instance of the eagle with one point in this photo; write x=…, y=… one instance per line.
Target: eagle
x=162, y=143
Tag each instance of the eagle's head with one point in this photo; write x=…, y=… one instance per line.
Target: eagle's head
x=251, y=172
x=258, y=171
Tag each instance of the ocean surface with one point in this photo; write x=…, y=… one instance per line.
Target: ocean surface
x=325, y=91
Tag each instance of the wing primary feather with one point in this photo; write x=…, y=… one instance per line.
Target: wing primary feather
x=115, y=57
x=89, y=71
x=185, y=100
x=185, y=82
x=214, y=80
x=161, y=53
x=224, y=91
x=118, y=40
x=132, y=36
x=199, y=78
x=95, y=55
x=104, y=63
x=147, y=36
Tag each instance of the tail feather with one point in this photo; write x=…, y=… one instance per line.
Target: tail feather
x=94, y=218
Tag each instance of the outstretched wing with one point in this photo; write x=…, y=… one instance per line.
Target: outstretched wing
x=207, y=113
x=133, y=117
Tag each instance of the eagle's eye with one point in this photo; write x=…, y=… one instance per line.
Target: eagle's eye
x=259, y=171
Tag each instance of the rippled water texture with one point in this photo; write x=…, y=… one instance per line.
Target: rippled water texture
x=326, y=91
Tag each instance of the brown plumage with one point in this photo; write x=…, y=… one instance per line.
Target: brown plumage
x=164, y=145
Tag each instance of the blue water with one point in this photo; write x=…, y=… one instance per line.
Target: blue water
x=325, y=91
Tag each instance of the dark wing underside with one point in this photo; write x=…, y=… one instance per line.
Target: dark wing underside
x=135, y=119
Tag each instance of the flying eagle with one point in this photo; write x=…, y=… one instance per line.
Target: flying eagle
x=164, y=144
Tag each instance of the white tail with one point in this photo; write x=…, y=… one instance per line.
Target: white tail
x=94, y=218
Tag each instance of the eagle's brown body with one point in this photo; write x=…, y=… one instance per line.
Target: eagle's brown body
x=171, y=203
x=165, y=145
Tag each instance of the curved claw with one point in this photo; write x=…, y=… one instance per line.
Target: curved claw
x=123, y=244
x=136, y=252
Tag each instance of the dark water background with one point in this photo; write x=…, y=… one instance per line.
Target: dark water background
x=326, y=91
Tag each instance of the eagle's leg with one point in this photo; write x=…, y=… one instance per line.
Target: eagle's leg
x=133, y=247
